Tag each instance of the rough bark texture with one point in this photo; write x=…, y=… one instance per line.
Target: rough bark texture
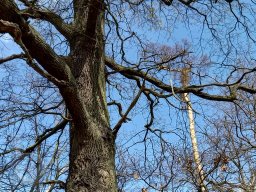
x=92, y=151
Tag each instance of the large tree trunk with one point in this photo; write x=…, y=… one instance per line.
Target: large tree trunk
x=92, y=151
x=92, y=148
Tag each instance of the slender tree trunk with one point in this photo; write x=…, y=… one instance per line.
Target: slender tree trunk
x=92, y=151
x=197, y=159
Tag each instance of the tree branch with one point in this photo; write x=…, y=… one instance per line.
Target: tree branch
x=133, y=74
x=46, y=135
x=12, y=57
x=123, y=118
x=47, y=15
x=33, y=42
x=119, y=106
x=62, y=185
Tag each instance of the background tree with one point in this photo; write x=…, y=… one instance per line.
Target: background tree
x=59, y=120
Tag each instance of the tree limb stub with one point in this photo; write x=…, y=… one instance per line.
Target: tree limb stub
x=11, y=28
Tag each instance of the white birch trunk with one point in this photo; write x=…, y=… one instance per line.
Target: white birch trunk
x=197, y=159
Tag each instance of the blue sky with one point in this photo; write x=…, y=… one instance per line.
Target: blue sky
x=166, y=117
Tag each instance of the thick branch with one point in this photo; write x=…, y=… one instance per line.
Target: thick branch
x=47, y=15
x=133, y=74
x=246, y=89
x=34, y=43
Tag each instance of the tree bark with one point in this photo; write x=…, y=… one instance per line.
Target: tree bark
x=197, y=159
x=92, y=148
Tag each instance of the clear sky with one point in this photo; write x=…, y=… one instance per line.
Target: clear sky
x=171, y=26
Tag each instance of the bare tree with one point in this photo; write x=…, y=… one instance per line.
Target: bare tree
x=76, y=64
